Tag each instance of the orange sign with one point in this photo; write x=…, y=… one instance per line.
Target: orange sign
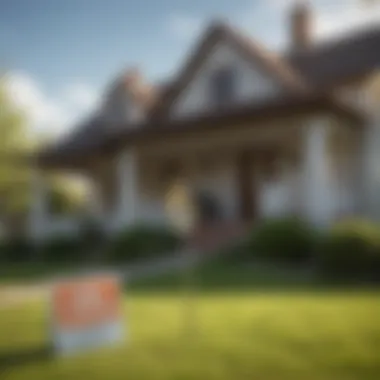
x=86, y=302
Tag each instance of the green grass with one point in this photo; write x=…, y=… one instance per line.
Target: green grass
x=258, y=335
x=248, y=321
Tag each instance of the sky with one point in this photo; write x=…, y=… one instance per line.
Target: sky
x=59, y=55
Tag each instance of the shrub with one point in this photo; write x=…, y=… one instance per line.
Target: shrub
x=16, y=249
x=143, y=242
x=93, y=240
x=63, y=249
x=351, y=249
x=287, y=240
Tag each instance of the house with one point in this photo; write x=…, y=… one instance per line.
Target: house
x=252, y=133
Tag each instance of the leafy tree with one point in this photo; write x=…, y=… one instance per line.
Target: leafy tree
x=65, y=196
x=16, y=142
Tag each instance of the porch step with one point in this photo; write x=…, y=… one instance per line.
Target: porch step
x=210, y=238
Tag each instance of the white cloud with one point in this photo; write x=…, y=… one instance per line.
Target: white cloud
x=82, y=96
x=350, y=15
x=45, y=114
x=40, y=110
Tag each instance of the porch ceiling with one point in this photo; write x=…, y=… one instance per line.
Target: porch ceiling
x=234, y=138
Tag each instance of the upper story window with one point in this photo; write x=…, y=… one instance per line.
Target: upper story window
x=223, y=86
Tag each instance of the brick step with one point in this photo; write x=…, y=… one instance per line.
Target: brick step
x=209, y=238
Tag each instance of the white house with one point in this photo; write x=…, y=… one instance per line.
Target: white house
x=253, y=134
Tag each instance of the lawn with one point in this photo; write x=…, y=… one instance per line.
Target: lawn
x=234, y=335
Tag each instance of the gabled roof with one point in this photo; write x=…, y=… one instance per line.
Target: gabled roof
x=89, y=132
x=330, y=63
x=84, y=137
x=255, y=53
x=300, y=73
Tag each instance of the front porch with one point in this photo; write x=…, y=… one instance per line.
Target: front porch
x=307, y=167
x=302, y=167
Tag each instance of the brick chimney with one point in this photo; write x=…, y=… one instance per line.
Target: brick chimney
x=132, y=76
x=301, y=20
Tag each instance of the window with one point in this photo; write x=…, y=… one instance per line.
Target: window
x=222, y=86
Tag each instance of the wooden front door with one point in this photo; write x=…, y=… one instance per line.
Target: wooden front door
x=246, y=188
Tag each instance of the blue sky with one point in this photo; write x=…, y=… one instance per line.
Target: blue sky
x=60, y=54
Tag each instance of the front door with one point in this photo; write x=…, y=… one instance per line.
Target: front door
x=208, y=208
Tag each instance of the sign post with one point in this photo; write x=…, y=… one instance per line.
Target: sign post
x=183, y=217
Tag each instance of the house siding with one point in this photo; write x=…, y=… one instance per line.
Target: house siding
x=252, y=84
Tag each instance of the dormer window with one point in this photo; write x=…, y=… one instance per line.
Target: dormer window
x=223, y=86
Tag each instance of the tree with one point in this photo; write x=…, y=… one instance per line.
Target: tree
x=16, y=143
x=14, y=174
x=65, y=196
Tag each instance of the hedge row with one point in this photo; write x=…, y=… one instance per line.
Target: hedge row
x=59, y=249
x=348, y=249
x=138, y=242
x=143, y=242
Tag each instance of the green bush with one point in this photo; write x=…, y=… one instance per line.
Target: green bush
x=63, y=249
x=285, y=240
x=94, y=241
x=16, y=250
x=351, y=249
x=141, y=242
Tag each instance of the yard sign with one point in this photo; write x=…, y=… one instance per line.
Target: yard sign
x=86, y=312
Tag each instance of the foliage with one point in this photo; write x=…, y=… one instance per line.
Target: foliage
x=140, y=242
x=14, y=175
x=57, y=249
x=63, y=249
x=92, y=232
x=65, y=195
x=16, y=144
x=285, y=239
x=16, y=250
x=351, y=249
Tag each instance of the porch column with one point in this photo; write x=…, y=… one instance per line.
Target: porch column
x=318, y=194
x=127, y=174
x=39, y=207
x=360, y=177
x=371, y=172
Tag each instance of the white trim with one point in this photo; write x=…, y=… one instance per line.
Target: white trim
x=318, y=194
x=38, y=214
x=127, y=204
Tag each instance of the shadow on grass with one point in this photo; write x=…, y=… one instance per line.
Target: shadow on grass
x=10, y=360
